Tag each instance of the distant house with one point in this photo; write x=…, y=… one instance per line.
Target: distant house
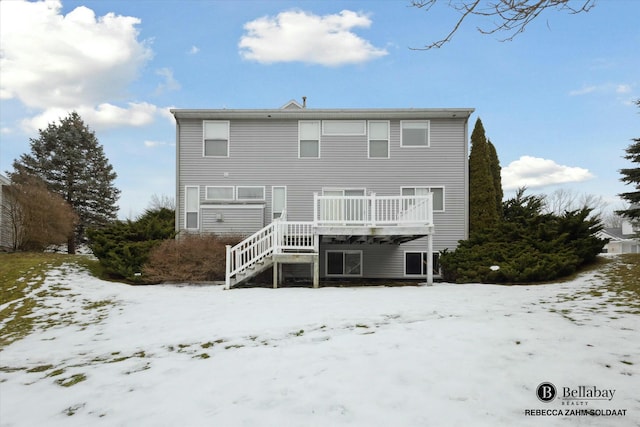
x=6, y=240
x=326, y=193
x=622, y=240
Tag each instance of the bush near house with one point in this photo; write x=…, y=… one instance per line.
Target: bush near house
x=124, y=246
x=191, y=258
x=527, y=246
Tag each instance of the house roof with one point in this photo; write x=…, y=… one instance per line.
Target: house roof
x=327, y=114
x=616, y=233
x=4, y=180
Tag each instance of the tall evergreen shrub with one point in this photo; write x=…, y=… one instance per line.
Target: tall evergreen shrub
x=124, y=246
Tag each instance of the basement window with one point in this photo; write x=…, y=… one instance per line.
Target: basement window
x=415, y=264
x=344, y=263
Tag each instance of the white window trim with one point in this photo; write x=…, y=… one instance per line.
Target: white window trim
x=343, y=189
x=319, y=139
x=428, y=133
x=228, y=138
x=342, y=251
x=251, y=186
x=388, y=139
x=185, y=207
x=429, y=187
x=206, y=192
x=404, y=260
x=363, y=133
x=272, y=201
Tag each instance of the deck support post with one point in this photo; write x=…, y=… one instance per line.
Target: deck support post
x=316, y=259
x=275, y=274
x=430, y=259
x=227, y=276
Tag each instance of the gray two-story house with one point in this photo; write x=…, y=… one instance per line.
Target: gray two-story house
x=327, y=193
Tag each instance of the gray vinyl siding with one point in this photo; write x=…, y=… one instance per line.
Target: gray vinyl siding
x=228, y=220
x=264, y=152
x=6, y=239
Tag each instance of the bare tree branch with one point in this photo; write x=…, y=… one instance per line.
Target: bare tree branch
x=510, y=16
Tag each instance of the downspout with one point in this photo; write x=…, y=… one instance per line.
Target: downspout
x=177, y=213
x=466, y=177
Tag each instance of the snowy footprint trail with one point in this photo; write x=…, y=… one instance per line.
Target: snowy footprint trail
x=112, y=354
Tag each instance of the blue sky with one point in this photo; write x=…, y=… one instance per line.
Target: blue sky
x=557, y=101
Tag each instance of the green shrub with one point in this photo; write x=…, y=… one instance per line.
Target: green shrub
x=124, y=246
x=527, y=246
x=191, y=258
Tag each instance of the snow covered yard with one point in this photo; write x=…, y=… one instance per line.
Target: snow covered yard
x=445, y=355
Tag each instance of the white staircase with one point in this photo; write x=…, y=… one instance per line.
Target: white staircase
x=281, y=241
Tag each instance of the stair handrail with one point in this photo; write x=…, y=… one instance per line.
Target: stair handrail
x=251, y=250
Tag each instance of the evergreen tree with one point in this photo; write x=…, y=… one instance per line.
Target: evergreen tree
x=68, y=157
x=123, y=247
x=483, y=212
x=494, y=164
x=632, y=176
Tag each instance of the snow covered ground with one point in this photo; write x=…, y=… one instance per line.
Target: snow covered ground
x=444, y=355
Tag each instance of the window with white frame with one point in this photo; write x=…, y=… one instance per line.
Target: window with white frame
x=414, y=133
x=278, y=201
x=344, y=263
x=344, y=127
x=378, y=139
x=191, y=207
x=438, y=195
x=219, y=193
x=216, y=138
x=309, y=139
x=250, y=193
x=415, y=263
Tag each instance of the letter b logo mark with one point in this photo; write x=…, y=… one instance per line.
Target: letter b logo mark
x=546, y=392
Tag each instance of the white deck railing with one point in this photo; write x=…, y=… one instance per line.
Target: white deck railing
x=278, y=237
x=372, y=210
x=283, y=236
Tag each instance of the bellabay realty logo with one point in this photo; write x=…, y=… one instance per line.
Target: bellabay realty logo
x=579, y=395
x=582, y=395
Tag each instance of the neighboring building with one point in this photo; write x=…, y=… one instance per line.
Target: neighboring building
x=6, y=240
x=356, y=193
x=622, y=240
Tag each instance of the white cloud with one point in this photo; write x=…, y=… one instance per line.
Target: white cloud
x=604, y=88
x=102, y=116
x=305, y=37
x=532, y=172
x=153, y=144
x=193, y=50
x=623, y=88
x=169, y=83
x=583, y=91
x=57, y=63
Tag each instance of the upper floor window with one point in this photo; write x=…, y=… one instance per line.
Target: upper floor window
x=379, y=139
x=250, y=193
x=344, y=127
x=309, y=139
x=216, y=138
x=414, y=133
x=438, y=195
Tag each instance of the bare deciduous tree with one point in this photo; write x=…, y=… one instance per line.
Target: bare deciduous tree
x=37, y=217
x=563, y=200
x=507, y=16
x=162, y=201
